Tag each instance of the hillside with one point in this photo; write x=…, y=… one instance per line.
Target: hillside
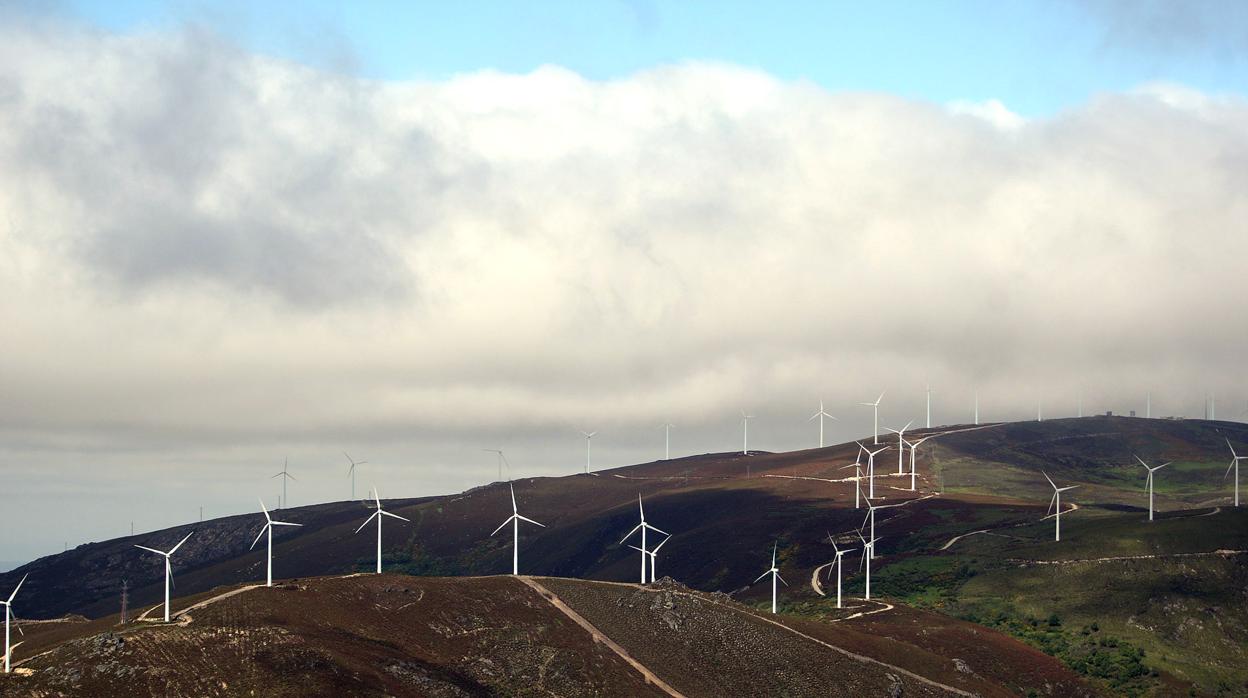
x=407, y=636
x=971, y=532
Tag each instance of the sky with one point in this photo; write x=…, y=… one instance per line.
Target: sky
x=233, y=236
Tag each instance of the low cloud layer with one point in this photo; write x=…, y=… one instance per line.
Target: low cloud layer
x=209, y=259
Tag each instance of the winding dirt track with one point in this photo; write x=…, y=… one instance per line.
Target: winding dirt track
x=598, y=636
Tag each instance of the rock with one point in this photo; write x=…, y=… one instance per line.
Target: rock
x=962, y=666
x=895, y=688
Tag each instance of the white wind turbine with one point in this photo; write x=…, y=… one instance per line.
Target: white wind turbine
x=377, y=514
x=976, y=408
x=654, y=556
x=871, y=471
x=913, y=447
x=351, y=472
x=1151, y=470
x=901, y=447
x=775, y=574
x=642, y=527
x=1057, y=499
x=502, y=460
x=870, y=518
x=857, y=466
x=875, y=435
x=168, y=568
x=8, y=616
x=929, y=406
x=820, y=415
x=745, y=433
x=667, y=440
x=589, y=437
x=269, y=523
x=1235, y=459
x=837, y=564
x=285, y=476
x=515, y=520
x=868, y=552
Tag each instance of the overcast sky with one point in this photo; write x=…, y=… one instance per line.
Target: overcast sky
x=214, y=256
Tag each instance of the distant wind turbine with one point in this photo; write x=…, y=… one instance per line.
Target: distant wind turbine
x=745, y=433
x=515, y=520
x=857, y=466
x=820, y=416
x=1151, y=470
x=667, y=440
x=1235, y=459
x=589, y=437
x=901, y=446
x=913, y=447
x=976, y=408
x=168, y=568
x=875, y=435
x=9, y=617
x=775, y=574
x=377, y=514
x=1148, y=405
x=269, y=523
x=870, y=518
x=351, y=472
x=929, y=405
x=871, y=471
x=837, y=564
x=868, y=552
x=1057, y=499
x=285, y=476
x=501, y=461
x=642, y=527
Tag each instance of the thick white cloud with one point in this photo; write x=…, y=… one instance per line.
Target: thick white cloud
x=208, y=258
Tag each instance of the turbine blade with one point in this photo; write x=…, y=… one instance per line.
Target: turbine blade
x=264, y=508
x=630, y=533
x=781, y=579
x=513, y=498
x=500, y=526
x=370, y=518
x=179, y=545
x=1052, y=500
x=1140, y=461
x=259, y=535
x=1163, y=465
x=660, y=545
x=1228, y=445
x=636, y=548
x=19, y=586
x=151, y=550
x=394, y=516
x=657, y=530
x=1046, y=477
x=760, y=577
x=523, y=518
x=1228, y=468
x=284, y=523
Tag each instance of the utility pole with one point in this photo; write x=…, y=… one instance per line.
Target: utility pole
x=125, y=599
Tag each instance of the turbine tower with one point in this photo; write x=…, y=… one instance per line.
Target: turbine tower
x=667, y=440
x=901, y=447
x=857, y=466
x=913, y=447
x=1151, y=470
x=377, y=514
x=654, y=556
x=745, y=433
x=837, y=564
x=820, y=415
x=285, y=476
x=870, y=518
x=502, y=460
x=589, y=437
x=871, y=471
x=1057, y=499
x=515, y=520
x=269, y=523
x=642, y=527
x=875, y=406
x=1235, y=459
x=868, y=552
x=976, y=408
x=8, y=617
x=775, y=574
x=168, y=568
x=929, y=405
x=351, y=472
x=1148, y=405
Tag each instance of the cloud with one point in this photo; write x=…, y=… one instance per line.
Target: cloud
x=210, y=258
x=1174, y=26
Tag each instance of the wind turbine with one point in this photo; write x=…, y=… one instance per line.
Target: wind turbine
x=642, y=527
x=351, y=472
x=1148, y=406
x=515, y=520
x=8, y=616
x=269, y=523
x=745, y=434
x=871, y=471
x=901, y=446
x=168, y=568
x=837, y=564
x=285, y=476
x=820, y=415
x=857, y=466
x=976, y=408
x=654, y=556
x=875, y=436
x=501, y=461
x=1057, y=499
x=775, y=574
x=377, y=514
x=870, y=517
x=1150, y=483
x=1235, y=459
x=667, y=440
x=589, y=436
x=929, y=405
x=868, y=552
x=913, y=447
